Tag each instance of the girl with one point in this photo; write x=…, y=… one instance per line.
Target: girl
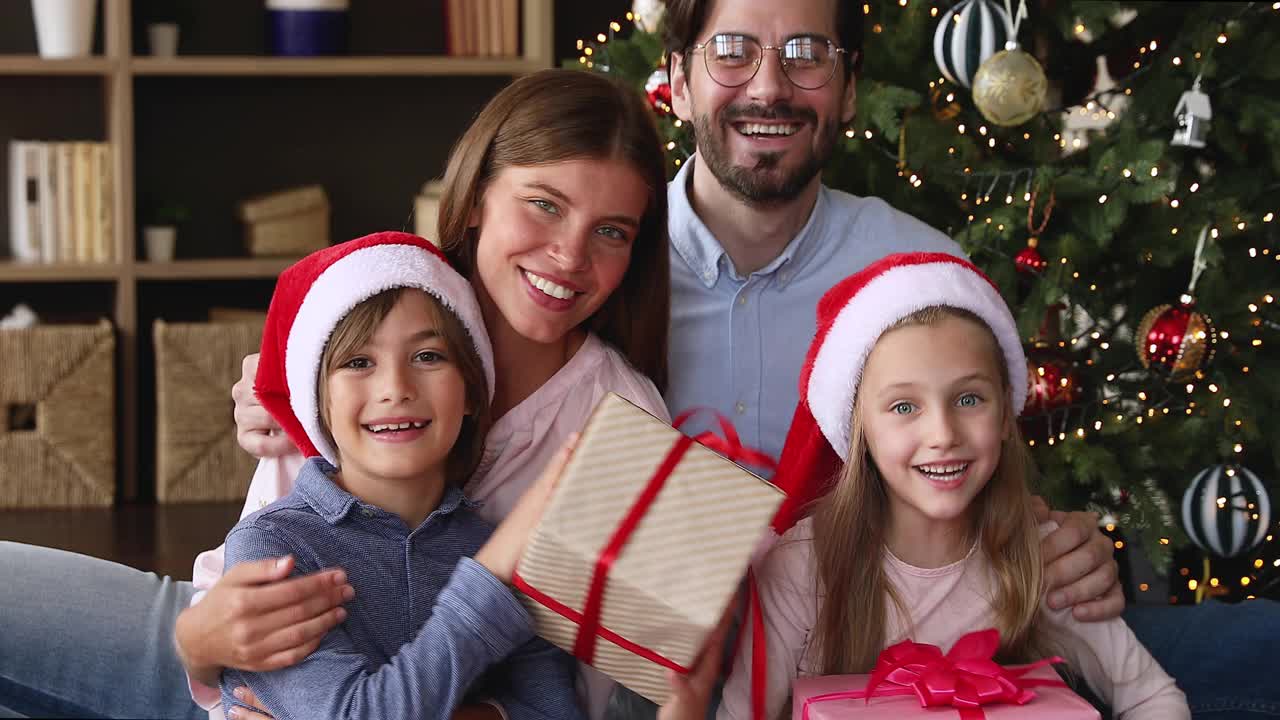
x=555, y=209
x=923, y=530
x=376, y=362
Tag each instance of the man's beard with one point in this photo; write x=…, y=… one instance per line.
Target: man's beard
x=764, y=183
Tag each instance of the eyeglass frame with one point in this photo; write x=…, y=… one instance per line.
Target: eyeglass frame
x=851, y=56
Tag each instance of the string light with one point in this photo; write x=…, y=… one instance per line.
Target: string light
x=1173, y=203
x=1194, y=186
x=1222, y=38
x=1176, y=61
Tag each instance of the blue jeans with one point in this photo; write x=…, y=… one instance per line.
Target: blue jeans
x=82, y=637
x=1223, y=656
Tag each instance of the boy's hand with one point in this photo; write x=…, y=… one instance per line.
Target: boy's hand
x=504, y=548
x=1080, y=566
x=256, y=431
x=255, y=619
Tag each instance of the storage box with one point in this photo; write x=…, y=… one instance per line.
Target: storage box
x=57, y=416
x=675, y=574
x=291, y=222
x=197, y=456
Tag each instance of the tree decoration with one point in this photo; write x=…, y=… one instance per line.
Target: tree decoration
x=966, y=36
x=658, y=90
x=1193, y=115
x=1226, y=510
x=1029, y=261
x=1010, y=86
x=1177, y=340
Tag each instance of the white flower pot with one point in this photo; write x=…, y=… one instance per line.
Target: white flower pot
x=160, y=241
x=64, y=28
x=162, y=38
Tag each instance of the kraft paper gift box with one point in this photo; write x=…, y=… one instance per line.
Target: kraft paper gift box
x=913, y=672
x=677, y=571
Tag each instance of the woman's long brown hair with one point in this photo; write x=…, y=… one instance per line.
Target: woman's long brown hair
x=560, y=115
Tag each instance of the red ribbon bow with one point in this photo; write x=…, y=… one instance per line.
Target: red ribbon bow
x=966, y=678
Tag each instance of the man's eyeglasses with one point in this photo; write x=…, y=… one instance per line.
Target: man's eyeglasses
x=808, y=61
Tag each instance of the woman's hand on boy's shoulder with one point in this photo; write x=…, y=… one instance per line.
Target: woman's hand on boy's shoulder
x=256, y=618
x=503, y=549
x=256, y=431
x=1080, y=566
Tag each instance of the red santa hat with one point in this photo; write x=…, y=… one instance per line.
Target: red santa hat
x=315, y=293
x=851, y=318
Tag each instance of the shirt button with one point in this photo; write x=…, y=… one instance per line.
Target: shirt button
x=709, y=277
x=740, y=408
x=785, y=276
x=742, y=299
x=367, y=512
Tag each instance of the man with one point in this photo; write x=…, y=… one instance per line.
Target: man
x=756, y=239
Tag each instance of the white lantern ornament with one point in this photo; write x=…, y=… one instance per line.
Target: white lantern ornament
x=1193, y=115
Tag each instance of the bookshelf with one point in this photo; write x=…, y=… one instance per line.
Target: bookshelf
x=126, y=80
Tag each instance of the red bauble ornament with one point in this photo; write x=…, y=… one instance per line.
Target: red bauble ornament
x=1029, y=260
x=658, y=89
x=1052, y=381
x=1175, y=340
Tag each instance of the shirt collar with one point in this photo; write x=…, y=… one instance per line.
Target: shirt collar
x=316, y=486
x=703, y=252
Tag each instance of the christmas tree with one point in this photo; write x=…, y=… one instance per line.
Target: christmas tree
x=1117, y=176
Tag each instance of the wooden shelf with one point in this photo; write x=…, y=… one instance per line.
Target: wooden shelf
x=269, y=66
x=36, y=65
x=58, y=272
x=214, y=269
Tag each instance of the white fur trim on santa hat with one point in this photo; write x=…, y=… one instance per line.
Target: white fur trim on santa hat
x=350, y=281
x=886, y=299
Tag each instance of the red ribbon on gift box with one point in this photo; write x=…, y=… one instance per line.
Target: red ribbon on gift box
x=966, y=678
x=588, y=621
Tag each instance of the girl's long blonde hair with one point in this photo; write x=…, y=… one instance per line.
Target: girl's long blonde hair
x=849, y=545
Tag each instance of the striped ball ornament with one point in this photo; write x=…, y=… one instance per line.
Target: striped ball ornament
x=969, y=33
x=1226, y=510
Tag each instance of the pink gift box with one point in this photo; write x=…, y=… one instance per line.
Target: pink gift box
x=1050, y=703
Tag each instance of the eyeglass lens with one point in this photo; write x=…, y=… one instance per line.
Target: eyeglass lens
x=733, y=59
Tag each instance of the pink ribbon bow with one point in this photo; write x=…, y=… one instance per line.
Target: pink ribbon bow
x=966, y=678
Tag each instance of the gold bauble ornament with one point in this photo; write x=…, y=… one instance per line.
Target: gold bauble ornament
x=1009, y=88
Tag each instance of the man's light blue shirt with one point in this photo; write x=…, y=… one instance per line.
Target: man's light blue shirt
x=738, y=343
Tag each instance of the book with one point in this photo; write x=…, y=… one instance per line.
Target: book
x=495, y=27
x=64, y=199
x=453, y=27
x=510, y=28
x=82, y=180
x=104, y=191
x=47, y=169
x=24, y=198
x=469, y=22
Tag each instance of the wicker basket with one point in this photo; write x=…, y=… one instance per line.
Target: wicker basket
x=57, y=430
x=197, y=456
x=292, y=222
